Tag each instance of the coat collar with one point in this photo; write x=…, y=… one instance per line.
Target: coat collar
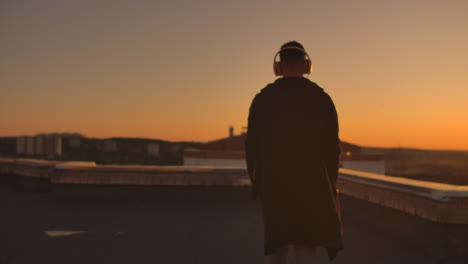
x=292, y=80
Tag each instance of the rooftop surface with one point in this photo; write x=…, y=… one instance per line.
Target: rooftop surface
x=205, y=227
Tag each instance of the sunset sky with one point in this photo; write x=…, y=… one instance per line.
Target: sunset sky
x=187, y=70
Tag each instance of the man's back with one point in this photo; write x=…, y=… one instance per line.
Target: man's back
x=292, y=156
x=292, y=127
x=287, y=115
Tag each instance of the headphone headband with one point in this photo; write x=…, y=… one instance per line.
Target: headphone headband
x=291, y=48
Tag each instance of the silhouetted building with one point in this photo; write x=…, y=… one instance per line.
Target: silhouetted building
x=153, y=149
x=74, y=146
x=21, y=146
x=110, y=145
x=8, y=146
x=30, y=146
x=74, y=141
x=52, y=146
x=41, y=145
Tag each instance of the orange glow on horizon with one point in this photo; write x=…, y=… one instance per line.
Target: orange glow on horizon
x=397, y=75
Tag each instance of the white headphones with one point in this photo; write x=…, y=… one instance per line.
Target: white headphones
x=277, y=64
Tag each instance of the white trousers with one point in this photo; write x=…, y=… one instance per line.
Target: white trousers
x=300, y=255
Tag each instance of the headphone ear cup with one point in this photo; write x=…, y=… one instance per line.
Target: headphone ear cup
x=308, y=66
x=277, y=68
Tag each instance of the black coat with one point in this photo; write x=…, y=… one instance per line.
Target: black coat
x=292, y=151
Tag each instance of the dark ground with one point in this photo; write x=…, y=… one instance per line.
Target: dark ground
x=207, y=230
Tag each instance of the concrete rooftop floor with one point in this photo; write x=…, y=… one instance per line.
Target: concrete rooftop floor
x=208, y=230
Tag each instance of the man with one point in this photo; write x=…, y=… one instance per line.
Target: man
x=292, y=151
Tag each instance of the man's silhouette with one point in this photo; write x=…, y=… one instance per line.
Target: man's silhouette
x=292, y=150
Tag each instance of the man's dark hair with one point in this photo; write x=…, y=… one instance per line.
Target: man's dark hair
x=292, y=55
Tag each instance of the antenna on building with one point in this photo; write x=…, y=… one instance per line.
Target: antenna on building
x=231, y=131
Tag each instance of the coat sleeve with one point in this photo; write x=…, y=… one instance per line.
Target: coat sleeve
x=252, y=145
x=331, y=140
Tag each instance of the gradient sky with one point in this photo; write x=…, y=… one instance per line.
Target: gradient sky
x=187, y=70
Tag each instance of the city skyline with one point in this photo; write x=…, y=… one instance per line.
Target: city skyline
x=185, y=71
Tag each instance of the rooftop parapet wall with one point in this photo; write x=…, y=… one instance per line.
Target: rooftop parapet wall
x=431, y=190
x=437, y=202
x=30, y=174
x=150, y=175
x=35, y=168
x=6, y=166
